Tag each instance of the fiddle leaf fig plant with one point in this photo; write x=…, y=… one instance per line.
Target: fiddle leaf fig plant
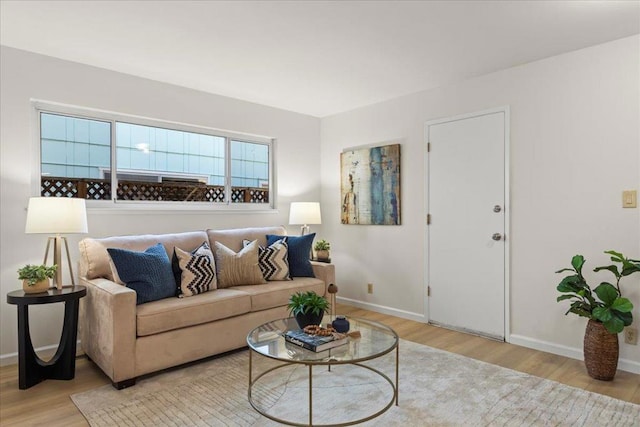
x=605, y=303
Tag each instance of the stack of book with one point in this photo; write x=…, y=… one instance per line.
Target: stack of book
x=313, y=342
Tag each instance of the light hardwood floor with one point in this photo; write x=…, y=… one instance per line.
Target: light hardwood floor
x=48, y=403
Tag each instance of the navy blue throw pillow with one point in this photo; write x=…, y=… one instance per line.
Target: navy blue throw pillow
x=148, y=273
x=299, y=252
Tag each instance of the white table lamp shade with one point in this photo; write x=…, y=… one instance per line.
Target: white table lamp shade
x=305, y=213
x=56, y=215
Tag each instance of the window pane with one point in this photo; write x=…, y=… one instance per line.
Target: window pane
x=75, y=156
x=151, y=163
x=249, y=172
x=169, y=165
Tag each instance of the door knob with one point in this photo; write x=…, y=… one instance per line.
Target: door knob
x=496, y=236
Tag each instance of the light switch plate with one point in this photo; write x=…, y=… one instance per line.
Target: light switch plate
x=629, y=199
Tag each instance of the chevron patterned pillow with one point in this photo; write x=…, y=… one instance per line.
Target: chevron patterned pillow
x=198, y=270
x=273, y=260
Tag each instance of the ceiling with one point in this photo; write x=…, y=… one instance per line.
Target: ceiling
x=313, y=57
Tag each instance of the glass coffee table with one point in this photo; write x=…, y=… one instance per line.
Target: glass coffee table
x=375, y=341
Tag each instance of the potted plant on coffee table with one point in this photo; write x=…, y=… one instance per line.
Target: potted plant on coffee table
x=308, y=308
x=605, y=307
x=35, y=278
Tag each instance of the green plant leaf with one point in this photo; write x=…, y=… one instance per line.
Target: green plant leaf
x=580, y=312
x=565, y=269
x=630, y=269
x=569, y=284
x=577, y=262
x=564, y=297
x=616, y=256
x=607, y=293
x=602, y=314
x=627, y=318
x=614, y=325
x=580, y=308
x=622, y=305
x=611, y=268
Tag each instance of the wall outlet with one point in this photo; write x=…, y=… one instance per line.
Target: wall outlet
x=369, y=288
x=631, y=336
x=629, y=199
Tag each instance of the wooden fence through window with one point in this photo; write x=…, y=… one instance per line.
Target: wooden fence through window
x=100, y=189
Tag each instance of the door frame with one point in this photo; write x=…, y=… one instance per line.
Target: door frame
x=507, y=208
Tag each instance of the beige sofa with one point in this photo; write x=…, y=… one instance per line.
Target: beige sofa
x=127, y=340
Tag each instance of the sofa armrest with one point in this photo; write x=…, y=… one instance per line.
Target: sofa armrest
x=325, y=272
x=108, y=327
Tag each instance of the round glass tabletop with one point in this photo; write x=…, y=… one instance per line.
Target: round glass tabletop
x=376, y=339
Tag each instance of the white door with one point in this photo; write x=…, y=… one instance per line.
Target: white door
x=466, y=249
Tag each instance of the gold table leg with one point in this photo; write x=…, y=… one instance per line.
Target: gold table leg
x=397, y=374
x=310, y=395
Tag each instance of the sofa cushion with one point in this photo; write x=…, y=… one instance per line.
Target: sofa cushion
x=174, y=313
x=299, y=253
x=273, y=260
x=275, y=294
x=239, y=268
x=148, y=273
x=197, y=270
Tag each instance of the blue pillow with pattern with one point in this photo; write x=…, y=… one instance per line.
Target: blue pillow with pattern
x=148, y=273
x=299, y=253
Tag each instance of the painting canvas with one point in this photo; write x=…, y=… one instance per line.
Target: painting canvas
x=370, y=185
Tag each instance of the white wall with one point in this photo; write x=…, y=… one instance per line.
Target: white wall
x=574, y=148
x=25, y=76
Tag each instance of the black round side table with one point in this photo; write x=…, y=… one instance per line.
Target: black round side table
x=62, y=366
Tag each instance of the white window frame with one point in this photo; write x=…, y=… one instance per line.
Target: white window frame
x=40, y=106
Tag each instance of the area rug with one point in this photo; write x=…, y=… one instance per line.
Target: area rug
x=437, y=388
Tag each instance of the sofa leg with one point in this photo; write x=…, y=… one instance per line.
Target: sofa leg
x=119, y=385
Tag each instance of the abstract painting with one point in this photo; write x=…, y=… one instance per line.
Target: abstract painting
x=370, y=185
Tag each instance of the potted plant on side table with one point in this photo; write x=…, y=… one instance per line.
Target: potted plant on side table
x=322, y=248
x=605, y=307
x=308, y=308
x=35, y=278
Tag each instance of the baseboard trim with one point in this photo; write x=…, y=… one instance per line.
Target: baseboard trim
x=571, y=352
x=45, y=352
x=418, y=317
